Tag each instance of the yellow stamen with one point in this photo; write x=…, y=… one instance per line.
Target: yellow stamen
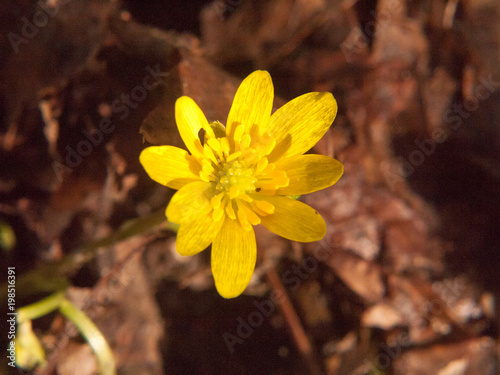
x=237, y=177
x=238, y=133
x=245, y=141
x=230, y=211
x=245, y=197
x=256, y=210
x=269, y=145
x=252, y=218
x=234, y=191
x=234, y=156
x=216, y=200
x=218, y=213
x=242, y=217
x=214, y=144
x=250, y=156
x=274, y=179
x=261, y=165
x=207, y=170
x=209, y=153
x=267, y=207
x=224, y=144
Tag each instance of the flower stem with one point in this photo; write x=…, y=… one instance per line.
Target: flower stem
x=40, y=308
x=93, y=336
x=52, y=277
x=86, y=327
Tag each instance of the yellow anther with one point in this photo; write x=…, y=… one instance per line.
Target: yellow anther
x=261, y=165
x=207, y=170
x=264, y=206
x=250, y=156
x=238, y=133
x=245, y=141
x=280, y=179
x=218, y=213
x=230, y=210
x=268, y=169
x=251, y=216
x=269, y=146
x=234, y=191
x=238, y=175
x=224, y=144
x=273, y=180
x=242, y=217
x=214, y=144
x=256, y=210
x=206, y=164
x=264, y=143
x=233, y=156
x=216, y=200
x=209, y=153
x=245, y=197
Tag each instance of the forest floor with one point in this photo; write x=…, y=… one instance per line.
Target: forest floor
x=405, y=282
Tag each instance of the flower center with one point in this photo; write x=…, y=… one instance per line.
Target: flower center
x=241, y=175
x=235, y=173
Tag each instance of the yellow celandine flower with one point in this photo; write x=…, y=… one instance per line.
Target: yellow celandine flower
x=244, y=175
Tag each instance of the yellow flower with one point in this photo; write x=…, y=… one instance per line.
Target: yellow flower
x=243, y=175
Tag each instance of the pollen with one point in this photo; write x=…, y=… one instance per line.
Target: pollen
x=239, y=175
x=233, y=176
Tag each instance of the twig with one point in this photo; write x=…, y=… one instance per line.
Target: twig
x=449, y=13
x=53, y=277
x=299, y=335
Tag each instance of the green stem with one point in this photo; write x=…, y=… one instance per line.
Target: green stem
x=93, y=336
x=40, y=308
x=53, y=277
x=86, y=327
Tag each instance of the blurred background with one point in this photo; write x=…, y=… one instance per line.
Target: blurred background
x=407, y=279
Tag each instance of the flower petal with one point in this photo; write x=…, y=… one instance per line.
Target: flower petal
x=189, y=202
x=190, y=207
x=300, y=123
x=293, y=220
x=234, y=253
x=190, y=119
x=252, y=104
x=195, y=236
x=170, y=166
x=309, y=173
